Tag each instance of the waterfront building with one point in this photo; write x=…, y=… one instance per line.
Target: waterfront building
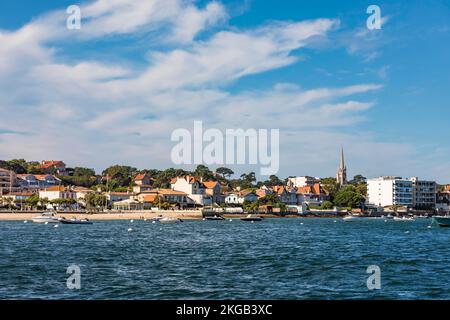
x=117, y=196
x=341, y=176
x=389, y=191
x=424, y=196
x=285, y=195
x=194, y=188
x=312, y=195
x=213, y=189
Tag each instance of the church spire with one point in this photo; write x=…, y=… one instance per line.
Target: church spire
x=341, y=177
x=342, y=162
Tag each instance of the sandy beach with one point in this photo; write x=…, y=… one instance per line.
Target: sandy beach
x=135, y=215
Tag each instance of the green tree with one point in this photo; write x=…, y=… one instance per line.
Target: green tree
x=119, y=176
x=226, y=173
x=83, y=172
x=348, y=196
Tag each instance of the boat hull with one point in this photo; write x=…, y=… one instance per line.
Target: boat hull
x=442, y=221
x=75, y=222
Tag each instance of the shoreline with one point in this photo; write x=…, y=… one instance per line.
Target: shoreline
x=141, y=215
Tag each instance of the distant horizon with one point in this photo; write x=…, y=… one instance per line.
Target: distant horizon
x=98, y=171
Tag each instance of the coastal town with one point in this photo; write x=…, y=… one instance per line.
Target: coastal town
x=51, y=185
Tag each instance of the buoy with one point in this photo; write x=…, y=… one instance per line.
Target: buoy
x=302, y=223
x=230, y=220
x=429, y=227
x=333, y=221
x=56, y=226
x=129, y=229
x=406, y=231
x=25, y=221
x=131, y=221
x=153, y=221
x=46, y=222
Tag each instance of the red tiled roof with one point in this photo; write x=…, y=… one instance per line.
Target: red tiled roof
x=52, y=163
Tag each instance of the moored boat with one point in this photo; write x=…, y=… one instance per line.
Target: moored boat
x=46, y=217
x=351, y=218
x=442, y=221
x=170, y=220
x=75, y=221
x=251, y=217
x=215, y=218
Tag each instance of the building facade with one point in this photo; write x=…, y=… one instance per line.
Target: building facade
x=424, y=197
x=390, y=191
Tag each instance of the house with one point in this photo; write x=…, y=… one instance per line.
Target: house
x=54, y=167
x=194, y=188
x=15, y=198
x=285, y=195
x=57, y=192
x=263, y=191
x=80, y=194
x=142, y=182
x=213, y=189
x=37, y=181
x=312, y=195
x=117, y=196
x=240, y=196
x=166, y=195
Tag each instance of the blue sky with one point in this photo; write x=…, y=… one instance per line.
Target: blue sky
x=114, y=91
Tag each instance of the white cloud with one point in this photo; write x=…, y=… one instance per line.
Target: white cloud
x=95, y=113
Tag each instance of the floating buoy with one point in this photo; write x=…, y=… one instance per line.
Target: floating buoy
x=56, y=226
x=153, y=221
x=25, y=221
x=302, y=223
x=46, y=223
x=429, y=227
x=333, y=221
x=230, y=220
x=131, y=221
x=385, y=220
x=129, y=229
x=406, y=231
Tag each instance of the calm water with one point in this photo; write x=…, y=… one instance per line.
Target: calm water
x=273, y=259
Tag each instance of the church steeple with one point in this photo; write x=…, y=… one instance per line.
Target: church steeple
x=341, y=176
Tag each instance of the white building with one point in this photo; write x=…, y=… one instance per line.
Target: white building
x=304, y=181
x=194, y=188
x=240, y=197
x=389, y=191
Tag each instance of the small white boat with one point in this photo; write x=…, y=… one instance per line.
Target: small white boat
x=46, y=217
x=251, y=218
x=170, y=220
x=158, y=218
x=403, y=219
x=351, y=218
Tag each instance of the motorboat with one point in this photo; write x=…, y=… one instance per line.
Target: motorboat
x=252, y=218
x=215, y=218
x=170, y=220
x=46, y=217
x=157, y=218
x=403, y=218
x=443, y=221
x=351, y=218
x=75, y=221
